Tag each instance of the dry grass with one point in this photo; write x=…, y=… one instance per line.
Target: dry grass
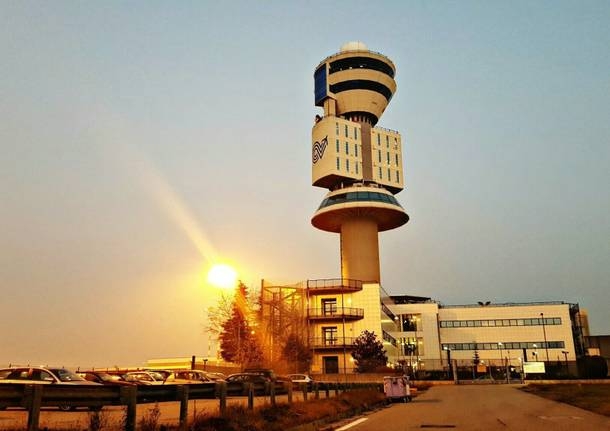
x=285, y=416
x=595, y=398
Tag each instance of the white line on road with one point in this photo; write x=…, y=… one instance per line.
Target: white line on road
x=352, y=424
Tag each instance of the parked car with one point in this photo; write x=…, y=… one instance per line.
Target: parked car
x=144, y=378
x=215, y=376
x=44, y=376
x=180, y=377
x=104, y=378
x=236, y=383
x=297, y=379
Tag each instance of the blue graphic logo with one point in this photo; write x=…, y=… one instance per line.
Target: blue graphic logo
x=318, y=149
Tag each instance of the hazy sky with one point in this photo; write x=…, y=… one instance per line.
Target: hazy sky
x=143, y=140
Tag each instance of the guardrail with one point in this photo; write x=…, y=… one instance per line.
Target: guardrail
x=33, y=397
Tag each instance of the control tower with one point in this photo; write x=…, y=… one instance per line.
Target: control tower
x=360, y=164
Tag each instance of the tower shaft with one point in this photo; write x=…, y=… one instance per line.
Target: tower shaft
x=360, y=249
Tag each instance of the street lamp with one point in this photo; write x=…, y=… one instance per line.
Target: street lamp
x=546, y=345
x=565, y=354
x=449, y=369
x=501, y=356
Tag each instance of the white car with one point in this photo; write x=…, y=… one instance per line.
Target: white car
x=300, y=378
x=44, y=376
x=181, y=377
x=144, y=378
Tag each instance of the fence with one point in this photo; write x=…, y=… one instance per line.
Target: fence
x=33, y=397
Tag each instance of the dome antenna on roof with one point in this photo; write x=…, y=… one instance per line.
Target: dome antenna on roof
x=353, y=46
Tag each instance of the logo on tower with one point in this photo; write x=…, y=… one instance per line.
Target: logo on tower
x=318, y=149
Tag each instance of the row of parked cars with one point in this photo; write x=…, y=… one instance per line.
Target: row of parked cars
x=62, y=376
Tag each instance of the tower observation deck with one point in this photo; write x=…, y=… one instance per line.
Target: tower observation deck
x=360, y=164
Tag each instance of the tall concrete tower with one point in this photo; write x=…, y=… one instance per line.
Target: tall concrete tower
x=360, y=164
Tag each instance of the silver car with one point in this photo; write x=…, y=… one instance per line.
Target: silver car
x=44, y=376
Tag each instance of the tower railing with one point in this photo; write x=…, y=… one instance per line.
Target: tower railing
x=331, y=342
x=348, y=313
x=334, y=284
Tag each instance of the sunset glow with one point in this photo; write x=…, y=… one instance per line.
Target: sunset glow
x=222, y=275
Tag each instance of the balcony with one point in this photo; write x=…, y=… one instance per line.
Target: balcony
x=334, y=343
x=333, y=285
x=338, y=313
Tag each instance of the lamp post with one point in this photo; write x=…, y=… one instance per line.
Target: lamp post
x=501, y=356
x=565, y=355
x=449, y=368
x=546, y=345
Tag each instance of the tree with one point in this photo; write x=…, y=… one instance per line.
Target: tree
x=368, y=353
x=476, y=359
x=296, y=353
x=237, y=339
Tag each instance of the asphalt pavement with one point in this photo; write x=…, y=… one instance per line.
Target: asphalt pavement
x=479, y=407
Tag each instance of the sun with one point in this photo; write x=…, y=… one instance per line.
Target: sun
x=222, y=275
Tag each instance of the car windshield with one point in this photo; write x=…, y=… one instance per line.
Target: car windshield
x=67, y=375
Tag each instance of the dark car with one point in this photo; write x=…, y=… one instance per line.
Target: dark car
x=237, y=384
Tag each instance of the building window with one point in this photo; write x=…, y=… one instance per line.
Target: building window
x=380, y=174
x=389, y=176
x=398, y=180
x=396, y=159
x=506, y=346
x=356, y=150
x=337, y=129
x=355, y=133
x=329, y=306
x=387, y=141
x=357, y=167
x=387, y=157
x=338, y=163
x=378, y=139
x=379, y=155
x=347, y=165
x=329, y=335
x=347, y=148
x=346, y=131
x=498, y=322
x=337, y=146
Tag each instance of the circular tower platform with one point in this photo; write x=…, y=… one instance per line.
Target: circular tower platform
x=373, y=203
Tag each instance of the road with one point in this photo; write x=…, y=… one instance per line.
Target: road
x=479, y=407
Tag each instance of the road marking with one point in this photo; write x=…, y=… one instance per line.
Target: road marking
x=352, y=424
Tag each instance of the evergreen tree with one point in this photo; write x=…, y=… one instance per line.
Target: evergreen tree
x=368, y=353
x=237, y=339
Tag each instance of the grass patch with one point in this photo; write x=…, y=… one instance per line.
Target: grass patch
x=286, y=416
x=595, y=398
